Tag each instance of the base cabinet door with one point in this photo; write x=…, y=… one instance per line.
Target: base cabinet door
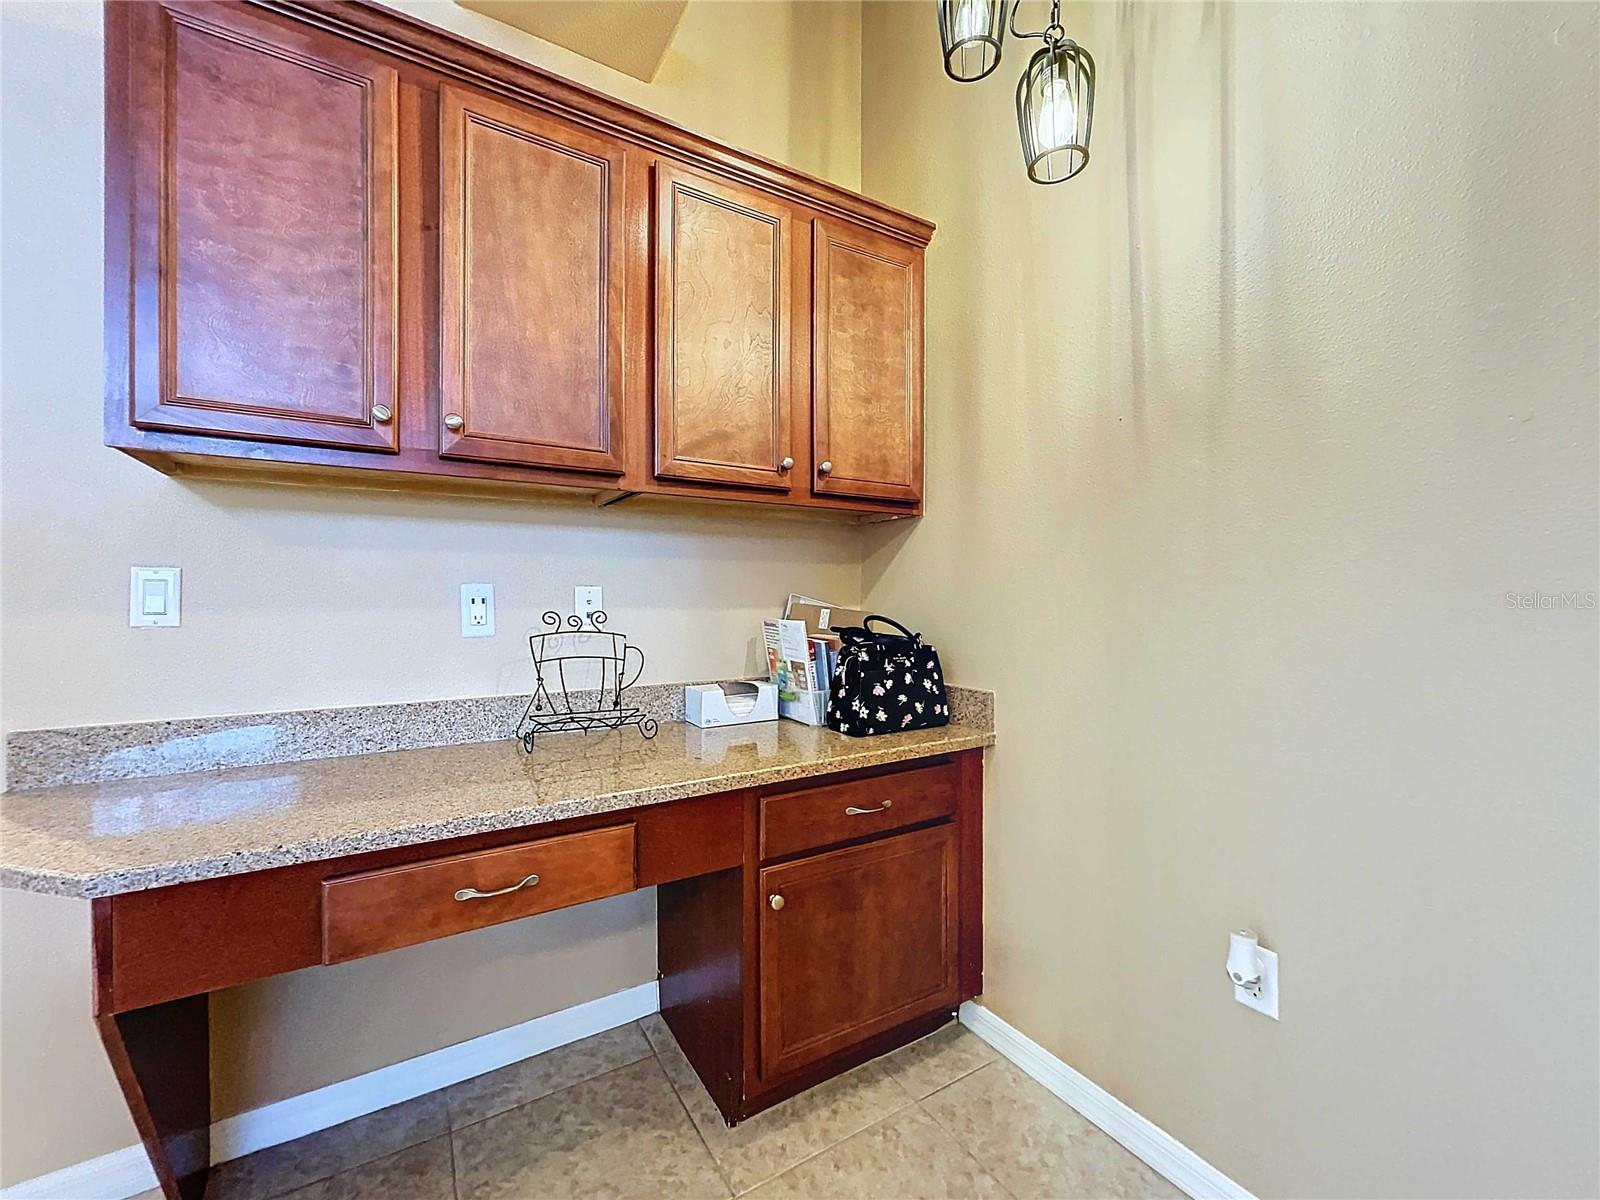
x=854, y=942
x=866, y=345
x=532, y=267
x=262, y=177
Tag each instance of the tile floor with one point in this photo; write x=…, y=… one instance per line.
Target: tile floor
x=622, y=1114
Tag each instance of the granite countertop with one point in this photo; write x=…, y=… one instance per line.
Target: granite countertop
x=125, y=835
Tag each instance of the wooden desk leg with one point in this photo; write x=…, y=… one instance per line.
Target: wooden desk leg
x=162, y=1057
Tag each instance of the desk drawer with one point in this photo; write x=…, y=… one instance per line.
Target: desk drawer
x=400, y=906
x=840, y=812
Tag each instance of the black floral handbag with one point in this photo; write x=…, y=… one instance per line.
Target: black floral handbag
x=885, y=682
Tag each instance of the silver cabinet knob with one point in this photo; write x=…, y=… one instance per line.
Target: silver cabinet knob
x=787, y=464
x=775, y=901
x=382, y=414
x=824, y=467
x=454, y=423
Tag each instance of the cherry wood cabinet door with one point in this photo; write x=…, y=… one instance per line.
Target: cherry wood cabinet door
x=854, y=942
x=723, y=296
x=866, y=345
x=532, y=276
x=262, y=163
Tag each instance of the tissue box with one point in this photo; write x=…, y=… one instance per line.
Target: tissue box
x=709, y=705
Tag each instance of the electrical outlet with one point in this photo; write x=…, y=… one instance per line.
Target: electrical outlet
x=1263, y=999
x=586, y=601
x=477, y=610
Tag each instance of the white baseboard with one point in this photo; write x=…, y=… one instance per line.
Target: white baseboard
x=1161, y=1151
x=127, y=1172
x=114, y=1176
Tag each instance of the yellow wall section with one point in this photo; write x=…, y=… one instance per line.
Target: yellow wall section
x=309, y=598
x=1235, y=445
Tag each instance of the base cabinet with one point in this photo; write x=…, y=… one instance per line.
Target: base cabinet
x=833, y=951
x=854, y=942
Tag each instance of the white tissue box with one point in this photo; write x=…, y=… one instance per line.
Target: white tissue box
x=709, y=705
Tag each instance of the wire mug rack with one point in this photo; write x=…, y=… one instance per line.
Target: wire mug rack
x=581, y=671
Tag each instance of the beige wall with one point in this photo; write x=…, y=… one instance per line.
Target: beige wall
x=299, y=598
x=1236, y=444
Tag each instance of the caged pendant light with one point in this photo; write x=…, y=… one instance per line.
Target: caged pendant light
x=1055, y=95
x=970, y=32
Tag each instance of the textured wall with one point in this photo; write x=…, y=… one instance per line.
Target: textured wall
x=307, y=598
x=1237, y=443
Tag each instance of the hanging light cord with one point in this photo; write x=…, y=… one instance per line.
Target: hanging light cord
x=1053, y=34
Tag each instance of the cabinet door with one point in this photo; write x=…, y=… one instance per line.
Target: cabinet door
x=723, y=292
x=867, y=364
x=531, y=288
x=263, y=176
x=854, y=942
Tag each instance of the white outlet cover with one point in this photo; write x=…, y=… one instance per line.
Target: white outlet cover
x=477, y=610
x=587, y=599
x=1267, y=1002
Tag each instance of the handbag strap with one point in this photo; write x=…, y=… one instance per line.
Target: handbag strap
x=867, y=625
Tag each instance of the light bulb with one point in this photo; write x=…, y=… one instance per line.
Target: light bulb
x=1056, y=124
x=972, y=19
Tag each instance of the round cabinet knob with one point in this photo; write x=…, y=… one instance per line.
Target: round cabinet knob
x=382, y=414
x=787, y=464
x=776, y=902
x=454, y=423
x=824, y=467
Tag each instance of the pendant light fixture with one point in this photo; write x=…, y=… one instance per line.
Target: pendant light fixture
x=1055, y=96
x=970, y=32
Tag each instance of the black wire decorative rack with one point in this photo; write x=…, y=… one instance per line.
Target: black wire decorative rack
x=581, y=671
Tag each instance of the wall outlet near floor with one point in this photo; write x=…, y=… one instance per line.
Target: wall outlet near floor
x=477, y=610
x=1264, y=999
x=586, y=601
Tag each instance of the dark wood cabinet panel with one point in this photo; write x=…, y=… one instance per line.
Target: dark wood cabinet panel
x=811, y=818
x=722, y=300
x=854, y=942
x=867, y=364
x=265, y=177
x=531, y=287
x=373, y=911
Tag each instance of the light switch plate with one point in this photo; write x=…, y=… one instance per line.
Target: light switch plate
x=477, y=610
x=155, y=597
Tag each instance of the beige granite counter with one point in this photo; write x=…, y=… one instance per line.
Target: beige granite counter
x=99, y=839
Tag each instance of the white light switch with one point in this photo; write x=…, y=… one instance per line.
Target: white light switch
x=154, y=597
x=477, y=610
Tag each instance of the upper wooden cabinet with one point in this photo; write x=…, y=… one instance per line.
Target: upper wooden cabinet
x=531, y=287
x=723, y=280
x=867, y=365
x=343, y=243
x=263, y=188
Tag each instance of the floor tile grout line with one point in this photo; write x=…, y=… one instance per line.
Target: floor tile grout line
x=547, y=1095
x=895, y=1111
x=955, y=1141
x=716, y=1163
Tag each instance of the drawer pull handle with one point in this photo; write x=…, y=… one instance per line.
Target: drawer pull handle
x=475, y=894
x=853, y=811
